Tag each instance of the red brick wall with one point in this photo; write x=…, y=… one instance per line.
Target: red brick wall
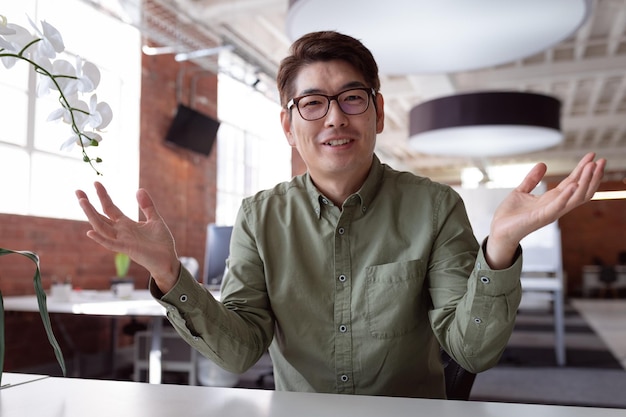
x=183, y=185
x=596, y=229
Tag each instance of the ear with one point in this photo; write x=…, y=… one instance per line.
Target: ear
x=380, y=113
x=285, y=121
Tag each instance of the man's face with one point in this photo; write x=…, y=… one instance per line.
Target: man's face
x=338, y=143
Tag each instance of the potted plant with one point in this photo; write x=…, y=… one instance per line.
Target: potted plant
x=122, y=285
x=43, y=311
x=39, y=51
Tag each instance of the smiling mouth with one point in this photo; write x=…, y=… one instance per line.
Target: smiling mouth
x=337, y=142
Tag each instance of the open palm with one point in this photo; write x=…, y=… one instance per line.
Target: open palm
x=521, y=212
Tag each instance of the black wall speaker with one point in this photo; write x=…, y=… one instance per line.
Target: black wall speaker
x=192, y=130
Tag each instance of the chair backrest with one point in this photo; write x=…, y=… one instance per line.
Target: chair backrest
x=459, y=381
x=215, y=254
x=192, y=265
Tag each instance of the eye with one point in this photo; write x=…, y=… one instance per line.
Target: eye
x=353, y=96
x=311, y=101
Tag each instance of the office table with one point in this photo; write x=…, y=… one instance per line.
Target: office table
x=73, y=397
x=10, y=379
x=105, y=303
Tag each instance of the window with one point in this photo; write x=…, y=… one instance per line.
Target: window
x=253, y=152
x=38, y=178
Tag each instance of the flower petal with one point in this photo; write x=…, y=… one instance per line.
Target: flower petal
x=53, y=36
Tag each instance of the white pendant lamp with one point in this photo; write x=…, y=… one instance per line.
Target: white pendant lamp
x=442, y=36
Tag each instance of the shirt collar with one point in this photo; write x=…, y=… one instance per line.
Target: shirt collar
x=365, y=194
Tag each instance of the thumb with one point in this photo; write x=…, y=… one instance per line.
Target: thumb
x=146, y=204
x=534, y=176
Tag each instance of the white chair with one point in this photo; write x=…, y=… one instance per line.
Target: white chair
x=542, y=273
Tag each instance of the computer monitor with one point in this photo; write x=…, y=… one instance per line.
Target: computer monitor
x=215, y=254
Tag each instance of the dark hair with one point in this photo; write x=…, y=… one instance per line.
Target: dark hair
x=325, y=46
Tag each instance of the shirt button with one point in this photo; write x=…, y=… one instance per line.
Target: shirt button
x=485, y=280
x=477, y=320
x=324, y=201
x=343, y=328
x=183, y=298
x=344, y=378
x=341, y=231
x=478, y=265
x=342, y=278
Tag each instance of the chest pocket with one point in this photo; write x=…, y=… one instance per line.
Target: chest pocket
x=394, y=293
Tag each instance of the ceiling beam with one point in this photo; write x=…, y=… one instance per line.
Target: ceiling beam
x=550, y=72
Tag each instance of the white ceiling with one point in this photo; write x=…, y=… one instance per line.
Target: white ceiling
x=587, y=72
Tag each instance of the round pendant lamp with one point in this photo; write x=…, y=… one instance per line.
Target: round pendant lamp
x=441, y=36
x=483, y=124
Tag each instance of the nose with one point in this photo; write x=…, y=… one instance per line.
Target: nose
x=335, y=116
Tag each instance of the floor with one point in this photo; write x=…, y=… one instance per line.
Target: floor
x=607, y=317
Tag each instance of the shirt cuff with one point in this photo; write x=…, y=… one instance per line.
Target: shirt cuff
x=500, y=281
x=182, y=295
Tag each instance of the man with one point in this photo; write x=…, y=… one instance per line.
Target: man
x=353, y=274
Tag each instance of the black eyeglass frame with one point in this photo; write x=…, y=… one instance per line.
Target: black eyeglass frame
x=294, y=102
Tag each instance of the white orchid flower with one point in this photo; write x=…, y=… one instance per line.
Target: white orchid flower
x=77, y=113
x=88, y=76
x=4, y=29
x=14, y=43
x=64, y=74
x=87, y=139
x=51, y=42
x=40, y=50
x=100, y=114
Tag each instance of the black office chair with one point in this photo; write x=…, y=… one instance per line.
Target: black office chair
x=459, y=381
x=215, y=256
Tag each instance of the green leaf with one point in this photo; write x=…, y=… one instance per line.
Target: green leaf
x=43, y=311
x=122, y=263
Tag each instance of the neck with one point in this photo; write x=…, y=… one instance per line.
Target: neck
x=338, y=189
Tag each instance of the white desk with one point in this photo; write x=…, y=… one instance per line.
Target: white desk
x=10, y=379
x=71, y=397
x=104, y=303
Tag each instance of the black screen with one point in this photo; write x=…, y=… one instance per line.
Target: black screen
x=192, y=130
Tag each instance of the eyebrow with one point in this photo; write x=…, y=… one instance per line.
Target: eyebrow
x=347, y=86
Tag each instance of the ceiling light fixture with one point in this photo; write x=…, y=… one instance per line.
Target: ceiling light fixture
x=483, y=124
x=425, y=36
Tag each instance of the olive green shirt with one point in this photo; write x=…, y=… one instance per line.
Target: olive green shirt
x=354, y=299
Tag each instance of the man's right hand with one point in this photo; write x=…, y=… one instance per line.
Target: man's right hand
x=149, y=242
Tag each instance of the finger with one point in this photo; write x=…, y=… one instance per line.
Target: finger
x=579, y=196
x=87, y=207
x=108, y=207
x=533, y=178
x=574, y=176
x=147, y=206
x=80, y=194
x=107, y=243
x=100, y=224
x=596, y=179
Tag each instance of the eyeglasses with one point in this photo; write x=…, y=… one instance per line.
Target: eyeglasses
x=315, y=106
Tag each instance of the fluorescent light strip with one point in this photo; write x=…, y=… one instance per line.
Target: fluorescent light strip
x=609, y=195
